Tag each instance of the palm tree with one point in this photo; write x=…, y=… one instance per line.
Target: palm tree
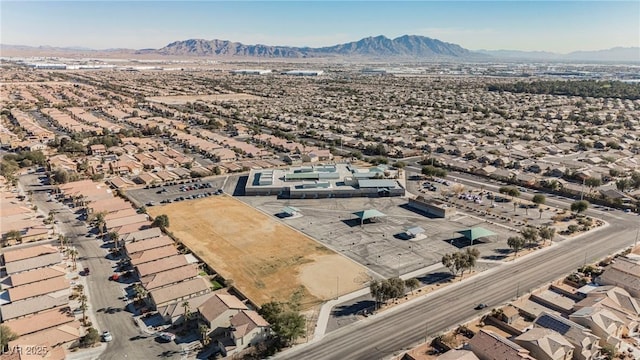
x=187, y=312
x=204, y=329
x=74, y=254
x=541, y=211
x=83, y=305
x=100, y=222
x=140, y=291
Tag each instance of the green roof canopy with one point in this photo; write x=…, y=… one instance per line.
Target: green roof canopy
x=476, y=233
x=368, y=214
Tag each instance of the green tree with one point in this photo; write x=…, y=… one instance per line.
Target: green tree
x=529, y=234
x=539, y=199
x=516, y=243
x=623, y=184
x=592, y=183
x=140, y=292
x=13, y=235
x=161, y=221
x=579, y=206
x=290, y=326
x=547, y=233
x=412, y=284
x=6, y=335
x=286, y=323
x=90, y=338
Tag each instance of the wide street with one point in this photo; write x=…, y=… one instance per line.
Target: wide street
x=389, y=333
x=128, y=340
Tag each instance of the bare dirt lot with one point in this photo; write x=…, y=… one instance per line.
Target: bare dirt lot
x=183, y=99
x=265, y=259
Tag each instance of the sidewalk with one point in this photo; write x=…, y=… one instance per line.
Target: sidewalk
x=325, y=310
x=87, y=354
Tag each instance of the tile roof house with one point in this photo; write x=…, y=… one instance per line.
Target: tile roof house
x=37, y=288
x=147, y=244
x=35, y=304
x=31, y=258
x=615, y=299
x=624, y=273
x=603, y=323
x=165, y=264
x=146, y=256
x=40, y=321
x=165, y=278
x=247, y=328
x=174, y=312
x=488, y=345
x=62, y=336
x=179, y=292
x=142, y=235
x=217, y=311
x=545, y=344
x=585, y=343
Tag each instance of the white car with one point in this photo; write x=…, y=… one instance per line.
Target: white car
x=106, y=336
x=168, y=337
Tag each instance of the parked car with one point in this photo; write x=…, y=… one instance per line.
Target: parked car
x=166, y=336
x=106, y=336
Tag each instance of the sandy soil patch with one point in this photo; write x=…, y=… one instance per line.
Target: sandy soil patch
x=351, y=276
x=265, y=259
x=183, y=99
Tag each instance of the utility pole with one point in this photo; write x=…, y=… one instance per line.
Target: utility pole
x=337, y=287
x=582, y=190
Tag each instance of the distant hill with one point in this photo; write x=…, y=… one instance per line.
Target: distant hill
x=625, y=54
x=407, y=46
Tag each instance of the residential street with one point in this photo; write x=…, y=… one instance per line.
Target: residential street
x=128, y=340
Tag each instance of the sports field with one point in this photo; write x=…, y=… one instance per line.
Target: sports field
x=265, y=259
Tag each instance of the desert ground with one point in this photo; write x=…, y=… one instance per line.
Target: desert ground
x=265, y=259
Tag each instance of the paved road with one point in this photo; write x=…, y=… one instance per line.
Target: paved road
x=102, y=293
x=389, y=333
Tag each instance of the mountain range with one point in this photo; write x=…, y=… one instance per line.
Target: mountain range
x=406, y=47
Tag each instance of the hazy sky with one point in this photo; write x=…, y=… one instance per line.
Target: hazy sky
x=559, y=26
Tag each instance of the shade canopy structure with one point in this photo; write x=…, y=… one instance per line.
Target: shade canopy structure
x=290, y=210
x=414, y=231
x=368, y=214
x=475, y=233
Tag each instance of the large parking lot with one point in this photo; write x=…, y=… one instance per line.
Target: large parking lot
x=177, y=191
x=381, y=245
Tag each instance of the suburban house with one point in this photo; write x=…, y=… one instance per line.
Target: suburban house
x=615, y=299
x=585, y=343
x=218, y=310
x=545, y=344
x=137, y=246
x=488, y=345
x=624, y=273
x=165, y=264
x=247, y=328
x=165, y=278
x=30, y=258
x=603, y=323
x=179, y=292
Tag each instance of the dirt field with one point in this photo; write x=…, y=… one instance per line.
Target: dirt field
x=265, y=259
x=183, y=99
